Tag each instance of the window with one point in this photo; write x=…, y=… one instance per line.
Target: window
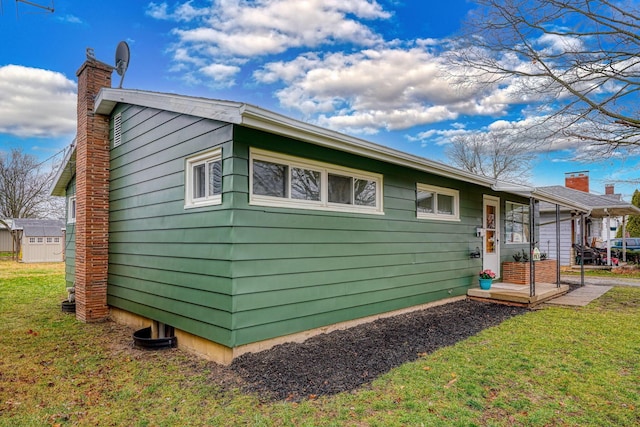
x=204, y=179
x=516, y=223
x=49, y=239
x=32, y=239
x=71, y=215
x=56, y=240
x=280, y=180
x=40, y=240
x=437, y=203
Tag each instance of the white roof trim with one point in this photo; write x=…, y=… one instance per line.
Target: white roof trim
x=258, y=118
x=65, y=172
x=269, y=121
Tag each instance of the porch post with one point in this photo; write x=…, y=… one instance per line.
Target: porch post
x=608, y=240
x=532, y=229
x=624, y=235
x=582, y=248
x=558, y=246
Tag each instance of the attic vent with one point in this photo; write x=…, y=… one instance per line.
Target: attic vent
x=117, y=129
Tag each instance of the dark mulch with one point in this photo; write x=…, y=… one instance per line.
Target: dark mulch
x=347, y=359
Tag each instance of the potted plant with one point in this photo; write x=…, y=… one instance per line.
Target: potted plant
x=486, y=278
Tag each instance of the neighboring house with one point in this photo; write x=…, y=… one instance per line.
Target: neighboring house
x=242, y=228
x=40, y=240
x=605, y=212
x=6, y=241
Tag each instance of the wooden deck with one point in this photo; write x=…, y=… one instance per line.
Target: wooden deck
x=518, y=295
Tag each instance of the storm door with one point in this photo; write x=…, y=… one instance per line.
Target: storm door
x=491, y=238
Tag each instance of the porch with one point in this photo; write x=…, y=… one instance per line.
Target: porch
x=518, y=295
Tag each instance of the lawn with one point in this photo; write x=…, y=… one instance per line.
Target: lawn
x=549, y=367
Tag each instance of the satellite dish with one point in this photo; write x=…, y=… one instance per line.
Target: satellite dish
x=122, y=60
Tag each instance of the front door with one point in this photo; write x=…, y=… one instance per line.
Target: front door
x=491, y=240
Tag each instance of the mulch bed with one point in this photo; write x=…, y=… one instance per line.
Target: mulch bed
x=345, y=360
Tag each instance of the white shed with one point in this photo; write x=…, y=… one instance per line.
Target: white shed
x=41, y=240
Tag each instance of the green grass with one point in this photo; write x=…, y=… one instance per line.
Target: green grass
x=550, y=367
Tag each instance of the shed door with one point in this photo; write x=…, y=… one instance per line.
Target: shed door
x=491, y=241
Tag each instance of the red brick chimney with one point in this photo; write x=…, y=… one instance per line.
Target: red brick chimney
x=92, y=195
x=577, y=180
x=609, y=189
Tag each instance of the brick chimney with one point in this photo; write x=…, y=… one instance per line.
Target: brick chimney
x=92, y=195
x=609, y=189
x=577, y=180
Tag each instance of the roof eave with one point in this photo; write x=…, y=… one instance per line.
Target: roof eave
x=261, y=119
x=65, y=172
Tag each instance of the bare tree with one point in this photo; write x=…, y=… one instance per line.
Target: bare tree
x=495, y=155
x=24, y=188
x=577, y=58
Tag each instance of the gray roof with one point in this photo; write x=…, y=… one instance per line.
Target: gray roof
x=39, y=227
x=601, y=205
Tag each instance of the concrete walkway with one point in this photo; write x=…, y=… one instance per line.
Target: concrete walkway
x=599, y=281
x=594, y=288
x=581, y=296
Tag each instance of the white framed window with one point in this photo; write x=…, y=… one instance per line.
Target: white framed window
x=56, y=240
x=40, y=239
x=437, y=203
x=71, y=214
x=49, y=239
x=204, y=179
x=516, y=223
x=32, y=239
x=287, y=181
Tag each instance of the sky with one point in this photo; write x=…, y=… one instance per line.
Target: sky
x=371, y=69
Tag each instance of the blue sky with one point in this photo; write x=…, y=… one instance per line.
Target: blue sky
x=369, y=69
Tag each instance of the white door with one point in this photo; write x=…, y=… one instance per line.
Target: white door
x=491, y=241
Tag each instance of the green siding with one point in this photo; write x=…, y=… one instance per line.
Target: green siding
x=166, y=262
x=70, y=239
x=296, y=269
x=236, y=273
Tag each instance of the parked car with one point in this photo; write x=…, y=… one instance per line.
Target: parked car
x=633, y=244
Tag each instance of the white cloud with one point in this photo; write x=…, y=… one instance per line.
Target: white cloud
x=36, y=102
x=387, y=88
x=235, y=30
x=221, y=74
x=71, y=19
x=182, y=13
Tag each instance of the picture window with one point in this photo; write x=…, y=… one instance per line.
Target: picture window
x=287, y=181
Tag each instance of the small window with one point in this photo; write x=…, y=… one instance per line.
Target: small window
x=56, y=240
x=516, y=223
x=437, y=203
x=281, y=180
x=204, y=179
x=49, y=239
x=40, y=240
x=32, y=239
x=71, y=214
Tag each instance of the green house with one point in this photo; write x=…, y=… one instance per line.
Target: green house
x=242, y=228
